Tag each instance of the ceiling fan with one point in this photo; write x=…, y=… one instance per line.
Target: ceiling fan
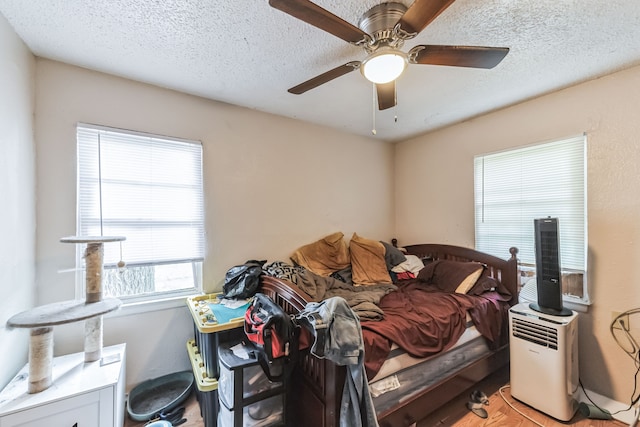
x=382, y=31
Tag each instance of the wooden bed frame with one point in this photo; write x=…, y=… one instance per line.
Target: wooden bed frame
x=318, y=383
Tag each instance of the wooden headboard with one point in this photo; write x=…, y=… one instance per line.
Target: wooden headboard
x=505, y=271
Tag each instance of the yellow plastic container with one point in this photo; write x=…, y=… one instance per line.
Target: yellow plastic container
x=214, y=323
x=208, y=320
x=206, y=387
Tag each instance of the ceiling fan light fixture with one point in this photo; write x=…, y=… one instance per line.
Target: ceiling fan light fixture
x=384, y=65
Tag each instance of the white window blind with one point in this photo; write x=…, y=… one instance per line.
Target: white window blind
x=514, y=187
x=144, y=187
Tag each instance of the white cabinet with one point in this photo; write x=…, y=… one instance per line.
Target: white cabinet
x=82, y=394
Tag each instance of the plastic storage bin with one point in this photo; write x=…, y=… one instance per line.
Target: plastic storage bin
x=206, y=387
x=267, y=412
x=214, y=324
x=242, y=380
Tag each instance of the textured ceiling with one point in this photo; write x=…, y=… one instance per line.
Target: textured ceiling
x=246, y=53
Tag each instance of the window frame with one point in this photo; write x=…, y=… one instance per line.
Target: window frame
x=158, y=299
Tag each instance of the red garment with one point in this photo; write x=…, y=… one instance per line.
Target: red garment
x=405, y=275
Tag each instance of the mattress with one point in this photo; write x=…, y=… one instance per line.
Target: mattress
x=399, y=359
x=402, y=375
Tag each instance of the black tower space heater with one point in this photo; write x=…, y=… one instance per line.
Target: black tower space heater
x=549, y=285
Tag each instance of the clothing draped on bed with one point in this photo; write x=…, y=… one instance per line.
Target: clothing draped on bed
x=363, y=300
x=343, y=345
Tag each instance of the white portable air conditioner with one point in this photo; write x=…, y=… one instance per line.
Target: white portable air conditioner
x=544, y=360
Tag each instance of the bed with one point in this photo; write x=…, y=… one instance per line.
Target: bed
x=425, y=384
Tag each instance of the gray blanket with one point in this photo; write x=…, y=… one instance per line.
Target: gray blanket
x=363, y=300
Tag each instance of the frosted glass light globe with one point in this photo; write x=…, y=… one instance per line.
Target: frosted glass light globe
x=384, y=65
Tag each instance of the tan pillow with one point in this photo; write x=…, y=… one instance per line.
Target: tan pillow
x=368, y=264
x=469, y=281
x=324, y=256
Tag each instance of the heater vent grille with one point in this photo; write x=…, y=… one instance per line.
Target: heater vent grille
x=539, y=334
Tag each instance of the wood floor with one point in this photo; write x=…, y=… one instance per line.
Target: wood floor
x=500, y=414
x=455, y=413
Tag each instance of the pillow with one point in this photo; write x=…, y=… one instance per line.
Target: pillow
x=486, y=284
x=469, y=281
x=324, y=256
x=413, y=264
x=392, y=255
x=452, y=276
x=368, y=265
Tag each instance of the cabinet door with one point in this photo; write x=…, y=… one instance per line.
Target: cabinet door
x=78, y=411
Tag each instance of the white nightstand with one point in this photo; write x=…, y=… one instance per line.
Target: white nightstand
x=81, y=395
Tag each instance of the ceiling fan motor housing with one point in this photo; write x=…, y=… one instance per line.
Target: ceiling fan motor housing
x=379, y=23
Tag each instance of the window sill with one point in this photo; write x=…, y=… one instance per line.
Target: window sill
x=129, y=308
x=576, y=304
x=529, y=293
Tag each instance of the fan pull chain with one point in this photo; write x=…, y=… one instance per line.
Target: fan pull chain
x=121, y=263
x=373, y=110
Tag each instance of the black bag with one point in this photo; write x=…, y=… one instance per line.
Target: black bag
x=276, y=335
x=242, y=281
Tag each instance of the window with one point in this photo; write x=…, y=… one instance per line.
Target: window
x=148, y=189
x=514, y=187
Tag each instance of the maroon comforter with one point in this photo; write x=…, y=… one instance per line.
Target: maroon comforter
x=423, y=321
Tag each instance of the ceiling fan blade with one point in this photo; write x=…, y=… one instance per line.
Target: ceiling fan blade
x=325, y=77
x=313, y=14
x=458, y=56
x=386, y=95
x=421, y=13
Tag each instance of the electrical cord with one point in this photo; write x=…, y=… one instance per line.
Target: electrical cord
x=604, y=411
x=633, y=353
x=501, y=390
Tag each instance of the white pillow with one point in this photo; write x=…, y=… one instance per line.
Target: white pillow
x=413, y=264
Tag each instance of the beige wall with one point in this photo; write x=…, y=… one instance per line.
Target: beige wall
x=17, y=195
x=271, y=185
x=434, y=199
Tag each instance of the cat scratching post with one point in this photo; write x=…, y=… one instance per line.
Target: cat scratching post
x=93, y=256
x=41, y=353
x=93, y=260
x=42, y=319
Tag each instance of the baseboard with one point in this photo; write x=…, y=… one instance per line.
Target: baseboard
x=625, y=416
